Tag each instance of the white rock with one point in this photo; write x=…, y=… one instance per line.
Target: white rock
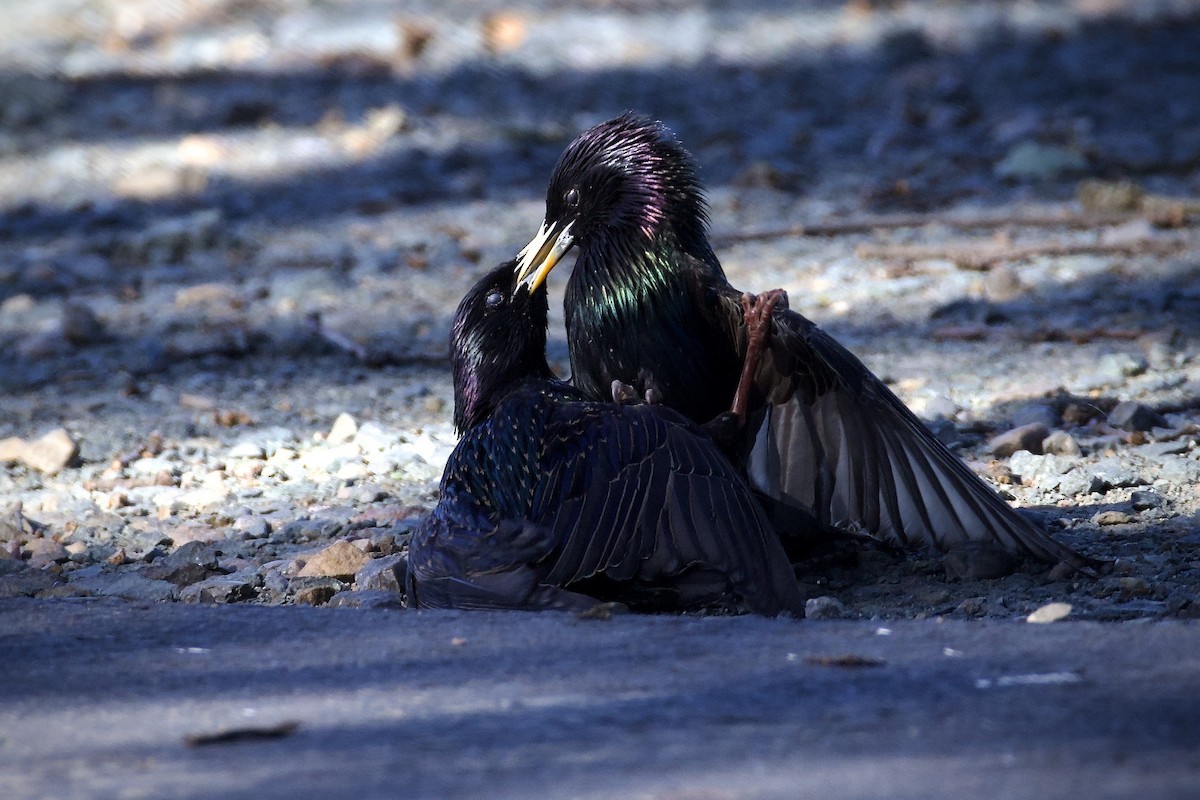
x=344, y=429
x=1051, y=612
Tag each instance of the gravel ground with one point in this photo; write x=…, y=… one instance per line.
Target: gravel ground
x=232, y=235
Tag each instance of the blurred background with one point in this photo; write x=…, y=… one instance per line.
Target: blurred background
x=192, y=190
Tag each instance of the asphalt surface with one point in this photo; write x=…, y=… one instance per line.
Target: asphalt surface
x=104, y=699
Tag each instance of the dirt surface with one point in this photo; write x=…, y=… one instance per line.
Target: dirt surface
x=226, y=224
x=105, y=698
x=232, y=235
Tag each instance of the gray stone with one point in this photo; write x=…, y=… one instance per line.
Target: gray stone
x=199, y=553
x=1159, y=449
x=135, y=587
x=1115, y=475
x=1061, y=443
x=1179, y=470
x=1116, y=367
x=1133, y=416
x=8, y=566
x=26, y=582
x=306, y=530
x=1080, y=481
x=945, y=431
x=367, y=599
x=43, y=552
x=223, y=588
x=1027, y=437
x=1144, y=500
x=825, y=608
x=1042, y=471
x=252, y=527
x=972, y=607
x=383, y=574
x=315, y=591
x=179, y=574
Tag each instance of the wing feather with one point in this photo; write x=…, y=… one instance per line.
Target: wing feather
x=837, y=444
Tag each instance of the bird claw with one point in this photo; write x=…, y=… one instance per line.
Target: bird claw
x=756, y=311
x=624, y=394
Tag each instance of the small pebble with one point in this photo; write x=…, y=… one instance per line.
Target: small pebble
x=343, y=430
x=80, y=325
x=1061, y=443
x=340, y=560
x=1112, y=518
x=1051, y=612
x=1134, y=416
x=825, y=608
x=1144, y=500
x=1027, y=437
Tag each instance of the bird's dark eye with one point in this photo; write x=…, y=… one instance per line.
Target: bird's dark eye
x=572, y=198
x=494, y=299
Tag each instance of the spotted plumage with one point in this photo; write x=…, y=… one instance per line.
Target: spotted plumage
x=553, y=501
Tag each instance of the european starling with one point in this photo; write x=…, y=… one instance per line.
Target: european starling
x=827, y=445
x=554, y=501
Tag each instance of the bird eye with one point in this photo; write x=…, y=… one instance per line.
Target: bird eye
x=494, y=299
x=572, y=198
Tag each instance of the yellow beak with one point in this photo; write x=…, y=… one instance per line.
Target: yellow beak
x=538, y=257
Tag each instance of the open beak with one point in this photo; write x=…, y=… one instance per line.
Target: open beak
x=538, y=257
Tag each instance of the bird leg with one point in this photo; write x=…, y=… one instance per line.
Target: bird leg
x=757, y=313
x=726, y=429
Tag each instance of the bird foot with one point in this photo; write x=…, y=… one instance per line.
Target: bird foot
x=624, y=394
x=756, y=311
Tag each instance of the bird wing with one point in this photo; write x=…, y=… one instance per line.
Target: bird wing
x=835, y=443
x=461, y=556
x=639, y=494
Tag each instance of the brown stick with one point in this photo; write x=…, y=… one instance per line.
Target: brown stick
x=983, y=253
x=1048, y=219
x=1153, y=208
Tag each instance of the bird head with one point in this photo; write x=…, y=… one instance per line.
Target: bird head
x=497, y=341
x=620, y=184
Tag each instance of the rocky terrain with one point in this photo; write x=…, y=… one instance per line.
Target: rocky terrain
x=232, y=235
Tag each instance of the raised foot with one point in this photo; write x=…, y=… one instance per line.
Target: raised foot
x=757, y=311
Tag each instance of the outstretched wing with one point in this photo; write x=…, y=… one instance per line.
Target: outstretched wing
x=835, y=443
x=638, y=495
